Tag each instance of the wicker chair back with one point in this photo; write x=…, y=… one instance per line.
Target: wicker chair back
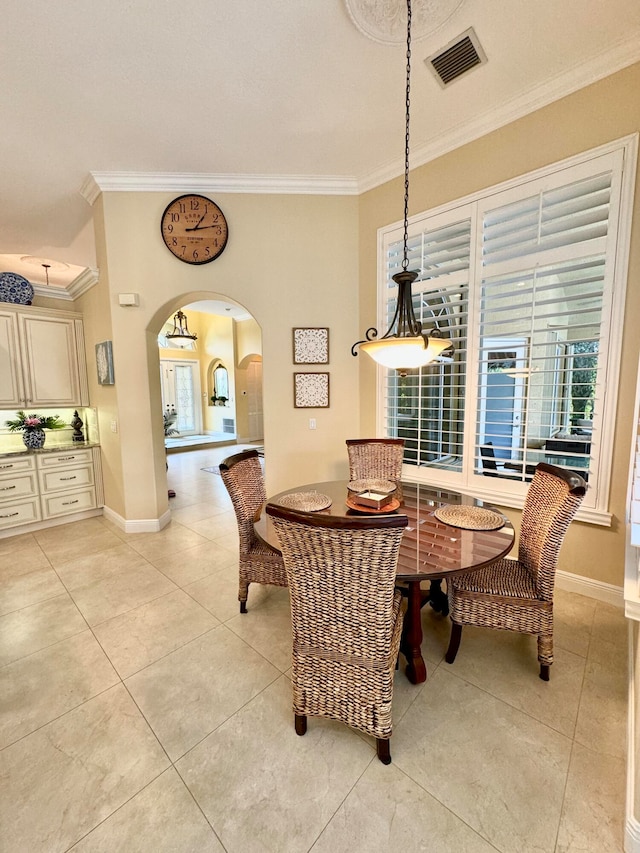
x=242, y=475
x=258, y=563
x=552, y=501
x=375, y=458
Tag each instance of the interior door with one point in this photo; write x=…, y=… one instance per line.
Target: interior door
x=254, y=392
x=180, y=382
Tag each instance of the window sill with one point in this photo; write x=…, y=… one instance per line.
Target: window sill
x=503, y=498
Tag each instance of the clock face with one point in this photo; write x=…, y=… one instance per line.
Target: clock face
x=194, y=229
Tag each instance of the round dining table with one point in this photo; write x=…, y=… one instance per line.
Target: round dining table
x=430, y=550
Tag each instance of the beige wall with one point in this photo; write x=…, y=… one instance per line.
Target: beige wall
x=95, y=306
x=593, y=116
x=290, y=261
x=216, y=345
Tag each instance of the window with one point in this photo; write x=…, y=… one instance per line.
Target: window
x=527, y=280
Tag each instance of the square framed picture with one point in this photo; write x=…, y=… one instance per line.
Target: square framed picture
x=311, y=390
x=104, y=363
x=311, y=346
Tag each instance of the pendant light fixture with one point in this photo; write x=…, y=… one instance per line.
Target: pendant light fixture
x=180, y=332
x=404, y=345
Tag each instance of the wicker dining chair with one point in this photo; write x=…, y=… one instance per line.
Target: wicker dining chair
x=517, y=595
x=258, y=563
x=346, y=617
x=375, y=458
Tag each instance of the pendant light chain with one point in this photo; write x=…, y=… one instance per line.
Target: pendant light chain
x=405, y=260
x=405, y=345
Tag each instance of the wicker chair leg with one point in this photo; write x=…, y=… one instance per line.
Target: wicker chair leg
x=454, y=642
x=383, y=750
x=545, y=654
x=243, y=594
x=301, y=724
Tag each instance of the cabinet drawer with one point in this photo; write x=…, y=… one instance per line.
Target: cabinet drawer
x=71, y=457
x=66, y=478
x=22, y=512
x=20, y=463
x=68, y=503
x=21, y=486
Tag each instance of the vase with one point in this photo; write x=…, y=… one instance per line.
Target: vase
x=33, y=438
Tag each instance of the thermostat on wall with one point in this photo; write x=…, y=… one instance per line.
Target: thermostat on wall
x=128, y=299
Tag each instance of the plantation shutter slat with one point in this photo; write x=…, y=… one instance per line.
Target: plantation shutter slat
x=566, y=216
x=426, y=407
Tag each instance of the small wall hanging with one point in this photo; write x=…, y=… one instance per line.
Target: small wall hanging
x=311, y=390
x=104, y=363
x=311, y=346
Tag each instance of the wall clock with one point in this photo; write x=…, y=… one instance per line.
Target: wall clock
x=194, y=229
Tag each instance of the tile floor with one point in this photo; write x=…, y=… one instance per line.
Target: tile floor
x=140, y=712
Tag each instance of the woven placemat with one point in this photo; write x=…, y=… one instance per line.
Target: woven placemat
x=469, y=517
x=305, y=501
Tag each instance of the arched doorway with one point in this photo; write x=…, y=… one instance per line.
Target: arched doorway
x=227, y=355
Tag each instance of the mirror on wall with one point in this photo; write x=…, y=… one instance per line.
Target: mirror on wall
x=219, y=389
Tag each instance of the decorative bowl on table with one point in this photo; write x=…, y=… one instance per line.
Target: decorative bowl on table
x=386, y=487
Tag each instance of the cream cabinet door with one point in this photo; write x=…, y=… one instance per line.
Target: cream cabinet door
x=11, y=392
x=50, y=361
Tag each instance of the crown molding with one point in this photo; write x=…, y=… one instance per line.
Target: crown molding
x=98, y=182
x=577, y=78
x=52, y=292
x=85, y=281
x=604, y=65
x=80, y=284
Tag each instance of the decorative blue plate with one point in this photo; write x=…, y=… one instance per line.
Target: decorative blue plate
x=15, y=288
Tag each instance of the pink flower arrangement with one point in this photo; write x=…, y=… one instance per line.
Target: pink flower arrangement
x=27, y=422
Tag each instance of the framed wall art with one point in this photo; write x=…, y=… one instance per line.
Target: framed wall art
x=311, y=346
x=104, y=363
x=311, y=390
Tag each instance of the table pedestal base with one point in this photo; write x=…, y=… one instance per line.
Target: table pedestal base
x=411, y=644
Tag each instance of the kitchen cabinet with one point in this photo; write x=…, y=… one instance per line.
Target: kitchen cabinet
x=45, y=486
x=19, y=502
x=42, y=358
x=67, y=482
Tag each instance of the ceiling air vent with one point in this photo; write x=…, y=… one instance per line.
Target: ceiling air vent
x=457, y=58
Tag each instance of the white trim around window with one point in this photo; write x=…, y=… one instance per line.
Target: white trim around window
x=529, y=279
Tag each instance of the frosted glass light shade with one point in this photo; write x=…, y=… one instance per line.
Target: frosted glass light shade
x=405, y=353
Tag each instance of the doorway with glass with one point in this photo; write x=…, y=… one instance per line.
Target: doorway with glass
x=180, y=384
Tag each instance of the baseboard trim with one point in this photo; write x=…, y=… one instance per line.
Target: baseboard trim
x=606, y=592
x=632, y=836
x=631, y=825
x=138, y=525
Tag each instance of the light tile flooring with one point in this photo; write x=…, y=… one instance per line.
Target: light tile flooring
x=140, y=712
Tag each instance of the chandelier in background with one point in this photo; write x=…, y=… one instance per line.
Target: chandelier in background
x=180, y=331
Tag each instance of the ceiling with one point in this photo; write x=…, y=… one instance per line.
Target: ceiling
x=255, y=96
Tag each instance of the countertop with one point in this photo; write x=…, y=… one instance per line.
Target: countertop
x=50, y=448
